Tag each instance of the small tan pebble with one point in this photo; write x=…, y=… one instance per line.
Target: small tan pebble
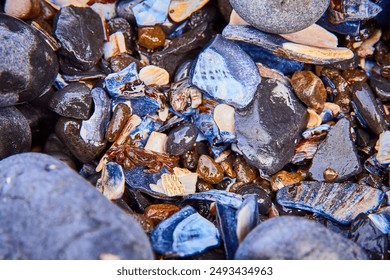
x=228, y=169
x=284, y=178
x=160, y=212
x=151, y=37
x=23, y=9
x=153, y=75
x=244, y=172
x=119, y=118
x=314, y=119
x=330, y=175
x=224, y=117
x=109, y=257
x=180, y=10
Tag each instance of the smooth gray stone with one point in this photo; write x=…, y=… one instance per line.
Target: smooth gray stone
x=48, y=211
x=337, y=152
x=294, y=238
x=73, y=101
x=181, y=139
x=268, y=129
x=28, y=65
x=280, y=17
x=81, y=35
x=15, y=132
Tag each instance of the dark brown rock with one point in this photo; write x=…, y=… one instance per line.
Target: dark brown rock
x=209, y=170
x=151, y=37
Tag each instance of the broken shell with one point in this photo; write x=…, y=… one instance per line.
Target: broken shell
x=227, y=198
x=381, y=220
x=180, y=10
x=115, y=46
x=284, y=178
x=187, y=178
x=224, y=117
x=348, y=199
x=153, y=75
x=227, y=221
x=169, y=185
x=314, y=119
x=383, y=148
x=157, y=142
x=112, y=182
x=116, y=81
x=150, y=12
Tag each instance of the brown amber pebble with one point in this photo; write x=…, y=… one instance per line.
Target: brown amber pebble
x=330, y=175
x=151, y=37
x=160, y=212
x=284, y=178
x=121, y=115
x=209, y=170
x=309, y=89
x=355, y=75
x=228, y=169
x=244, y=172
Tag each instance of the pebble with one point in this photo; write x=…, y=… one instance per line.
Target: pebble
x=72, y=101
x=82, y=51
x=153, y=75
x=180, y=10
x=381, y=86
x=367, y=107
x=15, y=132
x=28, y=66
x=383, y=148
x=150, y=12
x=216, y=72
x=62, y=212
x=265, y=136
x=309, y=89
x=284, y=178
x=209, y=170
x=294, y=238
x=121, y=114
x=284, y=16
x=151, y=37
x=160, y=212
x=181, y=139
x=23, y=9
x=244, y=172
x=264, y=201
x=337, y=152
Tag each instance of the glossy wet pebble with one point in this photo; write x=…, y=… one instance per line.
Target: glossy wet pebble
x=15, y=132
x=28, y=66
x=293, y=238
x=209, y=170
x=337, y=152
x=62, y=212
x=72, y=101
x=181, y=139
x=264, y=135
x=151, y=37
x=280, y=16
x=82, y=51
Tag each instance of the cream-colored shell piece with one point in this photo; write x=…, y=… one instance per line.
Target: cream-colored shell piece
x=153, y=75
x=314, y=119
x=187, y=178
x=224, y=117
x=116, y=45
x=179, y=10
x=157, y=142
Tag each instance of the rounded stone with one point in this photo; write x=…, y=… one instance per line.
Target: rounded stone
x=281, y=16
x=28, y=66
x=48, y=211
x=209, y=170
x=181, y=139
x=15, y=132
x=294, y=238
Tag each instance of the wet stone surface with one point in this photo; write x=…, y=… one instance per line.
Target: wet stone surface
x=82, y=225
x=293, y=238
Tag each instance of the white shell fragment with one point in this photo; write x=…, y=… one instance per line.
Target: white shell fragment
x=313, y=35
x=383, y=148
x=314, y=119
x=116, y=45
x=179, y=10
x=151, y=12
x=157, y=142
x=187, y=178
x=153, y=75
x=224, y=117
x=106, y=11
x=23, y=9
x=112, y=182
x=183, y=182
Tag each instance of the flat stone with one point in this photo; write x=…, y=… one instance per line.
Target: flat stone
x=367, y=108
x=264, y=135
x=44, y=202
x=280, y=17
x=28, y=66
x=293, y=238
x=217, y=72
x=82, y=51
x=337, y=152
x=72, y=101
x=181, y=139
x=15, y=132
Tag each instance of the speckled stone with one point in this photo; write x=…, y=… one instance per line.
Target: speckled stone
x=28, y=66
x=48, y=211
x=280, y=17
x=293, y=238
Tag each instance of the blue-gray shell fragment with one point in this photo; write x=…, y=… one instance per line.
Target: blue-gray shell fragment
x=185, y=233
x=381, y=220
x=340, y=202
x=354, y=10
x=226, y=198
x=112, y=182
x=227, y=221
x=116, y=81
x=217, y=72
x=151, y=12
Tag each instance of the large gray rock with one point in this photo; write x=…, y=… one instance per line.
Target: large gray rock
x=28, y=66
x=268, y=129
x=293, y=238
x=47, y=211
x=280, y=16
